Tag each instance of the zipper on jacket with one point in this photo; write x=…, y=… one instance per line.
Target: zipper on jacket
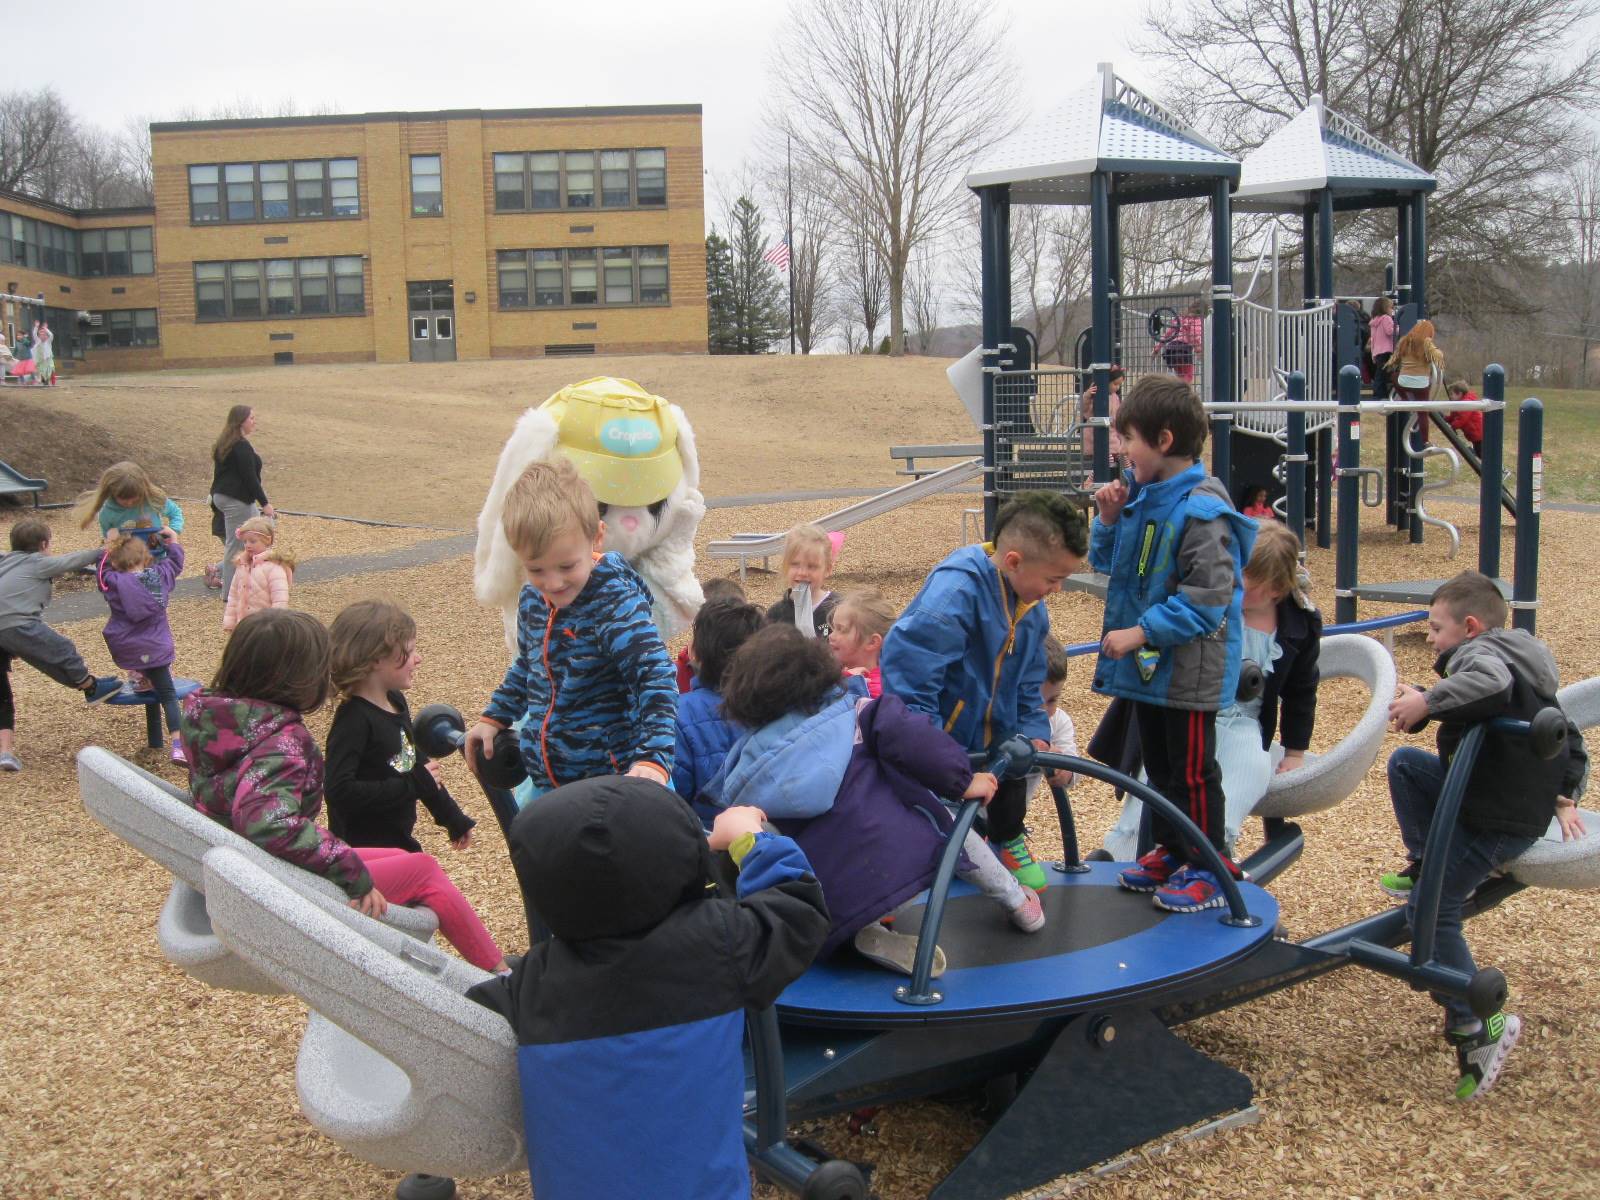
x=999, y=663
x=544, y=726
x=1147, y=543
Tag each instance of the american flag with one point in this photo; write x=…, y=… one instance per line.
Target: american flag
x=778, y=256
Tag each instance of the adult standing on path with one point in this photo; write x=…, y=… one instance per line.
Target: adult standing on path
x=44, y=353
x=236, y=490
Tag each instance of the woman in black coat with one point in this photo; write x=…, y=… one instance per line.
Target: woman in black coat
x=236, y=491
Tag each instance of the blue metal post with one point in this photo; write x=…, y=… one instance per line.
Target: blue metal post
x=1402, y=261
x=992, y=205
x=1530, y=499
x=1324, y=446
x=1114, y=266
x=1419, y=253
x=1490, y=468
x=1348, y=424
x=1100, y=285
x=1395, y=459
x=1308, y=256
x=1222, y=389
x=1294, y=458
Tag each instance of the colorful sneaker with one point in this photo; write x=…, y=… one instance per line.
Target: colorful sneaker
x=1016, y=858
x=178, y=756
x=895, y=951
x=1399, y=883
x=9, y=761
x=106, y=685
x=1481, y=1055
x=1029, y=915
x=1151, y=871
x=1190, y=890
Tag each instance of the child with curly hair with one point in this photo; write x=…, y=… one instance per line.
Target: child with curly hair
x=262, y=572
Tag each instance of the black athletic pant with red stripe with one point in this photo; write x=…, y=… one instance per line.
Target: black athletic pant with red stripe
x=1180, y=758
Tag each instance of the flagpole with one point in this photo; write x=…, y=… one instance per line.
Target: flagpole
x=789, y=189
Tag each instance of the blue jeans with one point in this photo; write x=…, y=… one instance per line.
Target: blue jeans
x=1415, y=780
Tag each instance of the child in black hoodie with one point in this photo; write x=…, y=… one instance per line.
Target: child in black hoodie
x=629, y=1017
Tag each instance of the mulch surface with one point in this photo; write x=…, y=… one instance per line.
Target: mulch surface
x=125, y=1078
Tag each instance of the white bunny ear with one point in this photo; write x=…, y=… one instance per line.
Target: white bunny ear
x=497, y=575
x=686, y=448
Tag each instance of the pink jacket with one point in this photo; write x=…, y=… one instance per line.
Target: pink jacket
x=1382, y=331
x=258, y=583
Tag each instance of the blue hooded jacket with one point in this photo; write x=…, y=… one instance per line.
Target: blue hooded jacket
x=969, y=656
x=1175, y=559
x=704, y=738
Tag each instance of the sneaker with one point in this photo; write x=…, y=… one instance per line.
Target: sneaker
x=138, y=683
x=178, y=756
x=1016, y=858
x=1481, y=1055
x=1190, y=890
x=896, y=951
x=1099, y=854
x=9, y=761
x=1029, y=915
x=106, y=685
x=1150, y=872
x=1399, y=883
x=214, y=576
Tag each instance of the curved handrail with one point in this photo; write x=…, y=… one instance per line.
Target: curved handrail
x=1420, y=456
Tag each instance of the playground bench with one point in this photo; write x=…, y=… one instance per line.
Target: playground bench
x=910, y=454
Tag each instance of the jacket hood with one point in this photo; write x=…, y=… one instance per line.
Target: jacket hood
x=233, y=727
x=1527, y=656
x=792, y=767
x=609, y=857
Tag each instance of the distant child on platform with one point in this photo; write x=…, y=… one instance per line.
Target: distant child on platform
x=969, y=651
x=704, y=734
x=1167, y=535
x=137, y=588
x=1468, y=424
x=1256, y=505
x=376, y=774
x=861, y=620
x=1487, y=671
x=254, y=767
x=592, y=684
x=808, y=556
x=126, y=498
x=262, y=572
x=712, y=589
x=854, y=782
x=25, y=578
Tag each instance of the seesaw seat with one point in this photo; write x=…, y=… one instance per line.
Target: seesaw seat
x=1551, y=862
x=158, y=820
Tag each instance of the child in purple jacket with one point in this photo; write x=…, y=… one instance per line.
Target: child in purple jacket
x=854, y=782
x=137, y=587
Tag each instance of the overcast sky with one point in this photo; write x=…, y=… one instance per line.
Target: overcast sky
x=116, y=60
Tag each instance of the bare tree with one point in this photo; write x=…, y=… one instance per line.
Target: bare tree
x=1576, y=281
x=849, y=328
x=888, y=98
x=922, y=299
x=863, y=282
x=811, y=265
x=36, y=138
x=1050, y=270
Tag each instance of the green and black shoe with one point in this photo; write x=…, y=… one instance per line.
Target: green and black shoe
x=1399, y=883
x=1481, y=1055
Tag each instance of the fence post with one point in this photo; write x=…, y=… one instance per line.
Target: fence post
x=1530, y=499
x=1101, y=311
x=1222, y=386
x=993, y=204
x=1294, y=458
x=1348, y=426
x=1490, y=466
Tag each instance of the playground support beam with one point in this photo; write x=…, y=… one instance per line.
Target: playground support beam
x=1221, y=327
x=1308, y=257
x=1419, y=253
x=1324, y=445
x=1100, y=229
x=1348, y=424
x=1489, y=472
x=994, y=204
x=1530, y=500
x=1294, y=458
x=1114, y=267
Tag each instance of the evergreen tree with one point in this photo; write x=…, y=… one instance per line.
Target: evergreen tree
x=720, y=322
x=760, y=308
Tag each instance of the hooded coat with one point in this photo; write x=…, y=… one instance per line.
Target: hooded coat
x=138, y=634
x=854, y=784
x=628, y=1018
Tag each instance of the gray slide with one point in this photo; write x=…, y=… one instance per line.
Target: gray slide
x=14, y=483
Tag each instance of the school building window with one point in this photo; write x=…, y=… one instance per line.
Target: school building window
x=538, y=180
x=306, y=189
x=39, y=244
x=124, y=327
x=583, y=276
x=427, y=186
x=278, y=287
x=116, y=252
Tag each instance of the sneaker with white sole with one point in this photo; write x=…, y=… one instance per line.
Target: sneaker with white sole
x=9, y=761
x=896, y=951
x=178, y=756
x=106, y=685
x=1190, y=890
x=1029, y=915
x=1481, y=1055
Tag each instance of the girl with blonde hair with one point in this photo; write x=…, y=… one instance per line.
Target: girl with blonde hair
x=262, y=572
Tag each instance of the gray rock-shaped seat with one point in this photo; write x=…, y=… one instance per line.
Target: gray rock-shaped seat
x=159, y=821
x=1551, y=862
x=1326, y=779
x=396, y=1065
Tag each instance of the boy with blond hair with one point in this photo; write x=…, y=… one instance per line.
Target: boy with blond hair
x=591, y=682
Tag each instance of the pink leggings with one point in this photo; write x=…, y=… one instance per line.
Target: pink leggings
x=407, y=878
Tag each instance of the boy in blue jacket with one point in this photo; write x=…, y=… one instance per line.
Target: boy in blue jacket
x=1174, y=548
x=969, y=650
x=628, y=1018
x=704, y=734
x=591, y=683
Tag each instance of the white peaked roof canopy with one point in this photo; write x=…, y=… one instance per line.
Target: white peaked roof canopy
x=1320, y=150
x=1105, y=125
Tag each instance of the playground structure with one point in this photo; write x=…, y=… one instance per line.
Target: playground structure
x=14, y=483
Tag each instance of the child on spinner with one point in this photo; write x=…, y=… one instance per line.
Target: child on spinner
x=26, y=575
x=969, y=651
x=856, y=783
x=262, y=572
x=126, y=498
x=1167, y=535
x=861, y=620
x=808, y=555
x=376, y=774
x=1063, y=737
x=254, y=767
x=704, y=735
x=712, y=589
x=137, y=588
x=591, y=683
x=1486, y=671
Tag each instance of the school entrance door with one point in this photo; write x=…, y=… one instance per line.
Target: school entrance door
x=432, y=308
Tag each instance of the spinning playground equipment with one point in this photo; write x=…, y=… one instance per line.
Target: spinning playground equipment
x=1078, y=1021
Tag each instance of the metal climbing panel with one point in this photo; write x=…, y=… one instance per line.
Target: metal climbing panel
x=1270, y=343
x=1039, y=442
x=1166, y=333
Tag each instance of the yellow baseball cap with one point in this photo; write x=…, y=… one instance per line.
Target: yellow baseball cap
x=623, y=440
